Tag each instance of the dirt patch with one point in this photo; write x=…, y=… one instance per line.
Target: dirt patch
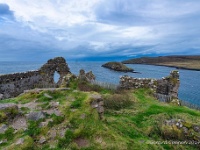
x=81, y=142
x=31, y=105
x=57, y=112
x=19, y=123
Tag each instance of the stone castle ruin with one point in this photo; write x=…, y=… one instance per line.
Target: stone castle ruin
x=12, y=85
x=165, y=89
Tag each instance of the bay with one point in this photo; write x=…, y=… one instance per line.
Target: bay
x=190, y=80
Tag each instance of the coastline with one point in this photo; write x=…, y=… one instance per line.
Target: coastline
x=173, y=66
x=178, y=62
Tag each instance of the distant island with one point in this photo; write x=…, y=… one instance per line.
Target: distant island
x=180, y=62
x=117, y=66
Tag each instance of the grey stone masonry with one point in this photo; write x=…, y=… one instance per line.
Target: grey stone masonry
x=12, y=85
x=166, y=89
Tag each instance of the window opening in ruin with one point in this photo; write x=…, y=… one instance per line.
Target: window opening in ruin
x=56, y=77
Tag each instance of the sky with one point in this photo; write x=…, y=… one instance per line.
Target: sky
x=98, y=29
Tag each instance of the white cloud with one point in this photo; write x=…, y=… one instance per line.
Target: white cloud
x=47, y=13
x=94, y=27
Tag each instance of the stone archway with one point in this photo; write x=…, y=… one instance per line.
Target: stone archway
x=47, y=71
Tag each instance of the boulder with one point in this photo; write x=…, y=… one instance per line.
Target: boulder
x=97, y=103
x=179, y=129
x=8, y=106
x=3, y=128
x=196, y=128
x=19, y=122
x=36, y=116
x=1, y=96
x=42, y=140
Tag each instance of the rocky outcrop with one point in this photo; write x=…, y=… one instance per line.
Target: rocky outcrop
x=165, y=89
x=180, y=129
x=12, y=85
x=19, y=122
x=117, y=66
x=98, y=104
x=36, y=116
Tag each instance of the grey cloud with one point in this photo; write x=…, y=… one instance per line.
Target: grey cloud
x=5, y=12
x=170, y=27
x=145, y=12
x=119, y=12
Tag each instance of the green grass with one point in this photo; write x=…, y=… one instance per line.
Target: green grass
x=33, y=128
x=64, y=142
x=79, y=97
x=131, y=119
x=117, y=101
x=24, y=98
x=56, y=120
x=9, y=134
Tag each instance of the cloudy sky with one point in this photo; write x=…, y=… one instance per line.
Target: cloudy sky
x=98, y=29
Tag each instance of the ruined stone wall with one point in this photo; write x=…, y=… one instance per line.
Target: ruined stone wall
x=127, y=82
x=12, y=85
x=165, y=89
x=57, y=64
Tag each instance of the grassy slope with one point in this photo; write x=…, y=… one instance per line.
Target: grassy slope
x=131, y=127
x=184, y=62
x=193, y=65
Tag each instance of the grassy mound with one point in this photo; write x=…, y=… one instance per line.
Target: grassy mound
x=132, y=120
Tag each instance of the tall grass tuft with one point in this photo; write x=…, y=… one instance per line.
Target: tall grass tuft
x=105, y=85
x=117, y=101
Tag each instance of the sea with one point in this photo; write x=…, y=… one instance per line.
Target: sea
x=189, y=90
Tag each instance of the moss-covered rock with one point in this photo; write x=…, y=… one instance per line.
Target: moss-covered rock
x=8, y=111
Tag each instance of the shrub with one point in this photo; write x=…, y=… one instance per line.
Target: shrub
x=102, y=88
x=76, y=104
x=117, y=101
x=73, y=84
x=86, y=86
x=3, y=117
